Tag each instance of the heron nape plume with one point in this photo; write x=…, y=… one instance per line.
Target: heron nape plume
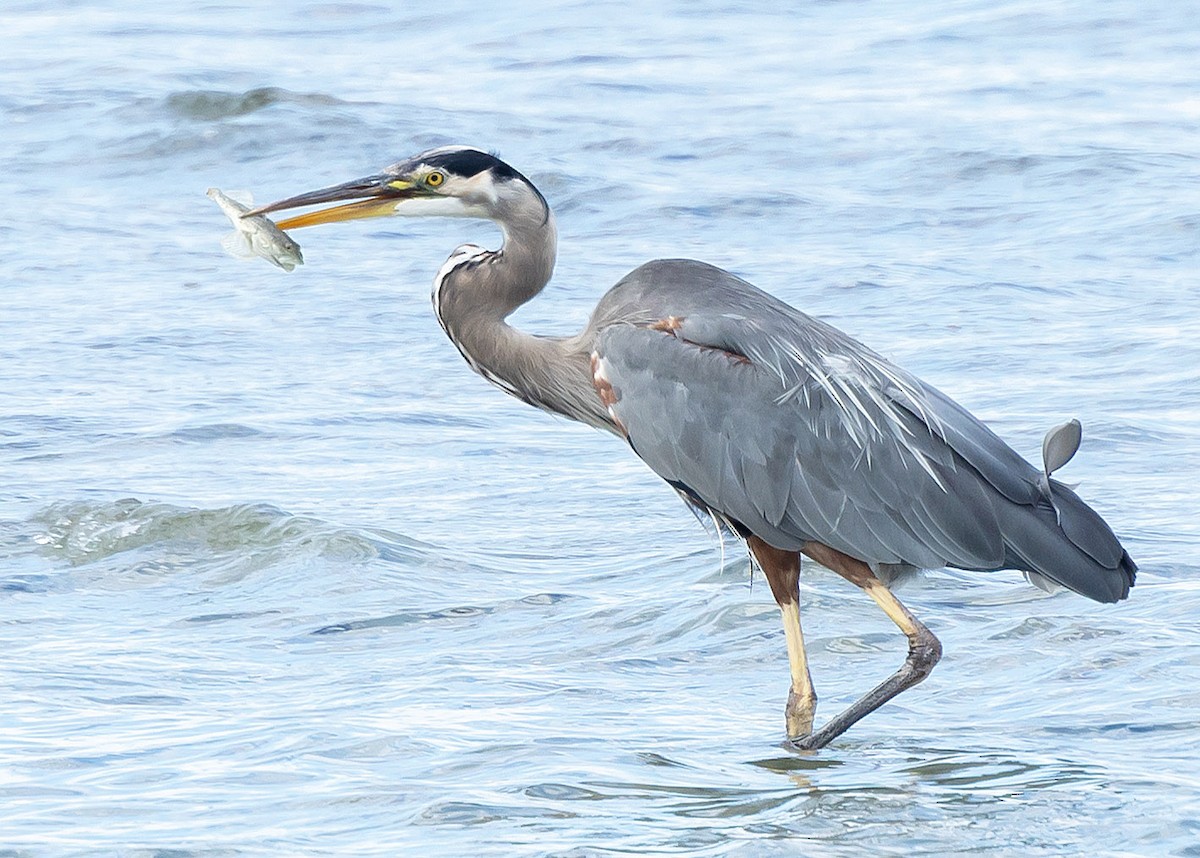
x=788, y=432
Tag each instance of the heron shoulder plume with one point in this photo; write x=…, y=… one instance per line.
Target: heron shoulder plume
x=799, y=438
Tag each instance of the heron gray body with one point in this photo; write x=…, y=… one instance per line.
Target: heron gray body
x=795, y=435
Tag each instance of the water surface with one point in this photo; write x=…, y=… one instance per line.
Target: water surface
x=281, y=576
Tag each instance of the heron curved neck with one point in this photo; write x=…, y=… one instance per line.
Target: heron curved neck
x=474, y=297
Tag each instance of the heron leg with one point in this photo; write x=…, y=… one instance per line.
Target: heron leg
x=782, y=570
x=924, y=649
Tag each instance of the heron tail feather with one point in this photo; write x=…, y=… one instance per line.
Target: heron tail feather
x=1068, y=543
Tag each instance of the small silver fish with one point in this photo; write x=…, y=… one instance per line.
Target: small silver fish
x=255, y=236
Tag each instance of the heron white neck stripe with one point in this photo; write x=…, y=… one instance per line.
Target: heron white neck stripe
x=462, y=255
x=467, y=254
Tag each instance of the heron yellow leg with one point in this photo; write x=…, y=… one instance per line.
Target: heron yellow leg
x=802, y=698
x=782, y=570
x=924, y=649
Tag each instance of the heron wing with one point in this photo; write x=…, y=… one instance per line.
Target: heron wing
x=796, y=432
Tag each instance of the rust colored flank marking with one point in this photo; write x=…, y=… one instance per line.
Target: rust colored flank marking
x=604, y=390
x=672, y=325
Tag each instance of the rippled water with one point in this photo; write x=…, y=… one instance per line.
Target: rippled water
x=280, y=576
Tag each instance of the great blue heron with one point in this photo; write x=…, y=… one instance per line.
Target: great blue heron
x=785, y=430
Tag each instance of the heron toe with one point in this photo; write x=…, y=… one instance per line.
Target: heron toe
x=801, y=707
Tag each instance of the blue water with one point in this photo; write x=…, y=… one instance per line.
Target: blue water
x=280, y=576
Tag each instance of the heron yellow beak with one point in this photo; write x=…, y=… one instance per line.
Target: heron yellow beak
x=381, y=192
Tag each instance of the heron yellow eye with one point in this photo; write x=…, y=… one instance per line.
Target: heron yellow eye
x=435, y=179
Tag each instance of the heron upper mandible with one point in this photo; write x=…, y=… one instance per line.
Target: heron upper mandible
x=785, y=430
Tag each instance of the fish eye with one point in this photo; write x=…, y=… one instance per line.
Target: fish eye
x=435, y=179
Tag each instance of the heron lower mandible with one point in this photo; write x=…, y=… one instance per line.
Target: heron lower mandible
x=788, y=432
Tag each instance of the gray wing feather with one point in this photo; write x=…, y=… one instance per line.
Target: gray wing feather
x=1022, y=484
x=783, y=468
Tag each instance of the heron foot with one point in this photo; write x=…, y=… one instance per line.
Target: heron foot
x=799, y=713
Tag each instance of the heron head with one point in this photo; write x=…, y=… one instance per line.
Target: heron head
x=451, y=181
